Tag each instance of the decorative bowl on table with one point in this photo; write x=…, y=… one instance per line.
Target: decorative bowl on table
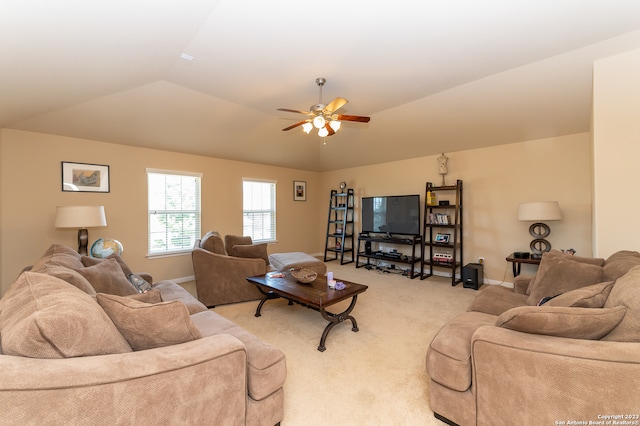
x=304, y=276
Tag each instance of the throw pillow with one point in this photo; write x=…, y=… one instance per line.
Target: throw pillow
x=558, y=275
x=58, y=254
x=252, y=251
x=45, y=317
x=72, y=277
x=620, y=263
x=574, y=323
x=233, y=240
x=90, y=261
x=626, y=292
x=212, y=241
x=107, y=277
x=151, y=296
x=148, y=326
x=592, y=296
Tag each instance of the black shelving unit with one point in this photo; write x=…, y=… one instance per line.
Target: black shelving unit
x=339, y=238
x=368, y=253
x=443, y=231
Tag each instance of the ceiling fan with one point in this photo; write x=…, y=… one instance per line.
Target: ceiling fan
x=324, y=117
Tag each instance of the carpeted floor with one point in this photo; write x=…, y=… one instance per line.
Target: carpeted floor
x=376, y=376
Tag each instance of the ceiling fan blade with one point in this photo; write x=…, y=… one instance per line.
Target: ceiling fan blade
x=329, y=129
x=335, y=105
x=300, y=123
x=357, y=118
x=294, y=110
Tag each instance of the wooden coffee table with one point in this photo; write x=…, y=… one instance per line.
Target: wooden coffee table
x=316, y=295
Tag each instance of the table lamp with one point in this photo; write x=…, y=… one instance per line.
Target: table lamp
x=538, y=212
x=81, y=217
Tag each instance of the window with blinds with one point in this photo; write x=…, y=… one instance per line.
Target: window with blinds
x=259, y=209
x=174, y=211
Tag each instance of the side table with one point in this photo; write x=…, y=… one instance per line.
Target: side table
x=516, y=263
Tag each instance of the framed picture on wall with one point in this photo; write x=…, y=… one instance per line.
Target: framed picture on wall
x=299, y=190
x=84, y=177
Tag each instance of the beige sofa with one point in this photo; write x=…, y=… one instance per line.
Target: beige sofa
x=562, y=346
x=81, y=346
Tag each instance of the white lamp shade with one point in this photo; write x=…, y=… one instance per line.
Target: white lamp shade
x=80, y=217
x=540, y=211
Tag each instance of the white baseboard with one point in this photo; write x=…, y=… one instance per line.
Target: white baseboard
x=183, y=279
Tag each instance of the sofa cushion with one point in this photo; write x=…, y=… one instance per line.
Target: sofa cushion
x=171, y=291
x=90, y=261
x=107, y=277
x=212, y=241
x=591, y=296
x=449, y=354
x=574, y=323
x=230, y=241
x=557, y=275
x=626, y=292
x=58, y=254
x=45, y=317
x=71, y=276
x=266, y=365
x=148, y=326
x=252, y=251
x=620, y=263
x=495, y=299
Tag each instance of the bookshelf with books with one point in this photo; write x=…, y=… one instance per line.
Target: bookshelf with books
x=442, y=232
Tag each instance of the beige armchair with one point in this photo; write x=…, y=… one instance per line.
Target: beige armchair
x=221, y=278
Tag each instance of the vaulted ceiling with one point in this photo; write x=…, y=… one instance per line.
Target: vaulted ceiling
x=206, y=76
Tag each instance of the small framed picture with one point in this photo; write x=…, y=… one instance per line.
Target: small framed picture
x=299, y=190
x=443, y=238
x=83, y=177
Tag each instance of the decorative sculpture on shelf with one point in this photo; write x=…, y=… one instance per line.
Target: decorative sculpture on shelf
x=442, y=166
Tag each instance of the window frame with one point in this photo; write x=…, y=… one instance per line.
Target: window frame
x=197, y=211
x=273, y=211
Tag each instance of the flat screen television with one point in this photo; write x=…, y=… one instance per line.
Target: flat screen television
x=395, y=214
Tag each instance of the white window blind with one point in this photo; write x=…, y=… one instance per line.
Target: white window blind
x=259, y=209
x=174, y=211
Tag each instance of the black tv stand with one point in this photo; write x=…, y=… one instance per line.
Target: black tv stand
x=407, y=240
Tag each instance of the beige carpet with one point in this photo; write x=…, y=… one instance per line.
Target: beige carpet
x=373, y=377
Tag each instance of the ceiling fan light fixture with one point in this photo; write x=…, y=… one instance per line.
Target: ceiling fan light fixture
x=323, y=116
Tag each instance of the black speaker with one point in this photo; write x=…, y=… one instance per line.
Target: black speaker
x=472, y=275
x=367, y=247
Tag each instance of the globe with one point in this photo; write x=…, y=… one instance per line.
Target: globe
x=104, y=247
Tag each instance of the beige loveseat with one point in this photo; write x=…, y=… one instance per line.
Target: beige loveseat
x=561, y=347
x=81, y=346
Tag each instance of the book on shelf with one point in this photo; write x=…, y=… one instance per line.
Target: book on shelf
x=439, y=219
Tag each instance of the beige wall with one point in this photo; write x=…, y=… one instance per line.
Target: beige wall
x=30, y=189
x=495, y=180
x=616, y=144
